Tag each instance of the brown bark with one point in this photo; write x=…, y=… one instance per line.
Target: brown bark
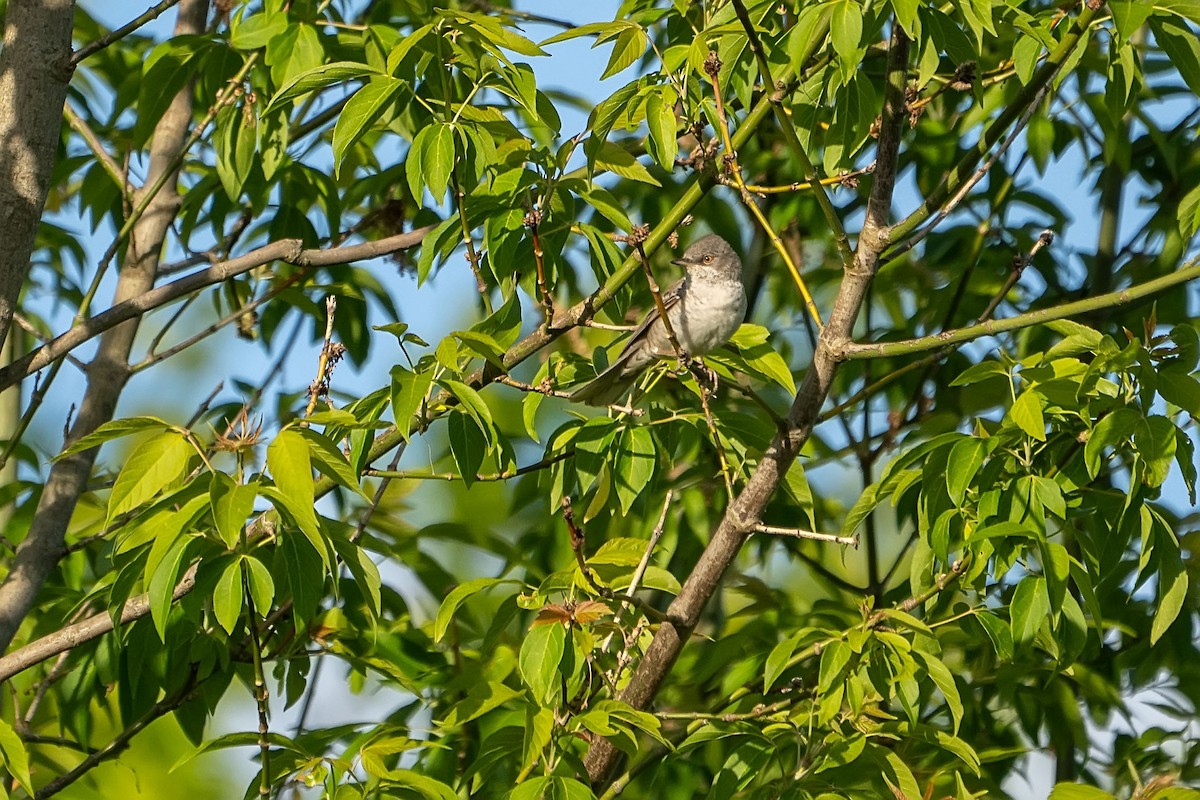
x=35, y=67
x=38, y=555
x=684, y=612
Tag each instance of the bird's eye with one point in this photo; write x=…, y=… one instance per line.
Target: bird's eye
x=708, y=259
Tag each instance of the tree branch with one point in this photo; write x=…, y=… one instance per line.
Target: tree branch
x=39, y=554
x=289, y=250
x=34, y=72
x=85, y=630
x=118, y=744
x=104, y=41
x=854, y=352
x=742, y=515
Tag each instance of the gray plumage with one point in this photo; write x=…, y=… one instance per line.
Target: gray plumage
x=705, y=307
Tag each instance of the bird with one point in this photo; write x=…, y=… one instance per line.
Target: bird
x=705, y=307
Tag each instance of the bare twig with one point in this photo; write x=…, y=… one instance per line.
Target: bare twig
x=330, y=354
x=80, y=126
x=533, y=221
x=289, y=250
x=712, y=66
x=104, y=41
x=800, y=533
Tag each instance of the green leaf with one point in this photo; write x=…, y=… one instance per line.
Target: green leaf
x=619, y=161
x=473, y=403
x=318, y=78
x=965, y=459
x=1181, y=389
x=153, y=465
x=227, y=597
x=115, y=429
x=405, y=46
x=468, y=445
x=256, y=30
x=290, y=465
x=999, y=632
x=1078, y=791
x=636, y=460
x=437, y=159
x=606, y=206
x=262, y=585
x=660, y=119
x=484, y=345
x=426, y=787
x=846, y=28
x=330, y=461
x=16, y=760
x=1188, y=213
x=231, y=504
x=1026, y=412
x=1182, y=46
x=906, y=13
x=941, y=676
x=408, y=393
x=980, y=372
x=629, y=47
x=166, y=70
x=457, y=597
x=1030, y=608
x=834, y=658
x=162, y=586
x=541, y=653
x=482, y=698
x=778, y=658
x=1172, y=583
x=493, y=32
x=362, y=569
x=1110, y=431
x=360, y=112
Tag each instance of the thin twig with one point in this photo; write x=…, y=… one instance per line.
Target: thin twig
x=1027, y=320
x=289, y=250
x=330, y=354
x=533, y=221
x=104, y=41
x=80, y=126
x=775, y=95
x=800, y=533
x=394, y=474
x=627, y=642
x=712, y=66
x=121, y=741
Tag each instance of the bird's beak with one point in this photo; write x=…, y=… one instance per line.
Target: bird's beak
x=679, y=262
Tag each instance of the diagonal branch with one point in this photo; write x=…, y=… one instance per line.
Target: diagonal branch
x=104, y=41
x=742, y=515
x=85, y=630
x=289, y=250
x=855, y=352
x=38, y=555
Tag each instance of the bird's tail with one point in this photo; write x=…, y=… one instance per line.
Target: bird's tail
x=608, y=387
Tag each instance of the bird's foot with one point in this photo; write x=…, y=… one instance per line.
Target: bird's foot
x=706, y=376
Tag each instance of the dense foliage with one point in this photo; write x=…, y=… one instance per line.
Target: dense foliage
x=935, y=515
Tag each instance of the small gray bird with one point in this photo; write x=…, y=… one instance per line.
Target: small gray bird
x=705, y=307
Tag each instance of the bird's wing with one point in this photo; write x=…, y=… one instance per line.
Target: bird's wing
x=670, y=298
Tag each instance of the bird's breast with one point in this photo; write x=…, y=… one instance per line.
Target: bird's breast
x=707, y=315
